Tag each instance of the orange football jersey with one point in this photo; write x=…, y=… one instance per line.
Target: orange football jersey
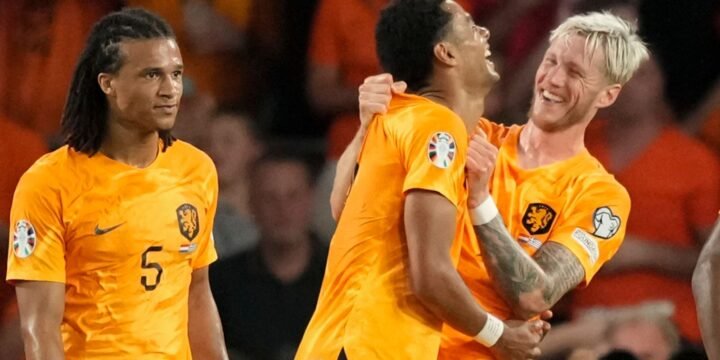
x=574, y=202
x=123, y=240
x=366, y=306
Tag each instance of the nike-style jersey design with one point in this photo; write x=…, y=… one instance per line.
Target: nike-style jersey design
x=123, y=240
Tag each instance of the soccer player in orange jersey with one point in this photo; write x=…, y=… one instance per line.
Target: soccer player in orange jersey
x=111, y=234
x=391, y=281
x=561, y=215
x=706, y=288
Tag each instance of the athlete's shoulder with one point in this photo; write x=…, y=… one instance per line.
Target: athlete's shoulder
x=50, y=168
x=593, y=177
x=187, y=161
x=416, y=114
x=191, y=155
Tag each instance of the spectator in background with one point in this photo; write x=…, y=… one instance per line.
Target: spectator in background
x=40, y=41
x=674, y=184
x=234, y=146
x=212, y=35
x=267, y=294
x=646, y=331
x=197, y=109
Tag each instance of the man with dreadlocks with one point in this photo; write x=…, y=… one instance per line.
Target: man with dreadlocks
x=111, y=234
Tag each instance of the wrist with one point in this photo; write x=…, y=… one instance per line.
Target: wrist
x=491, y=332
x=485, y=212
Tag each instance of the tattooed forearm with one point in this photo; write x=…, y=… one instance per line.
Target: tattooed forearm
x=562, y=268
x=530, y=285
x=514, y=272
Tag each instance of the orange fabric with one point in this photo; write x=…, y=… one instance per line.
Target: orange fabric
x=127, y=286
x=39, y=47
x=19, y=148
x=574, y=202
x=343, y=36
x=710, y=132
x=675, y=187
x=220, y=74
x=365, y=305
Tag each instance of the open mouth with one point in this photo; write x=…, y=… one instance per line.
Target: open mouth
x=550, y=97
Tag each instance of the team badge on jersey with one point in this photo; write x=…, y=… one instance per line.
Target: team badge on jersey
x=187, y=216
x=606, y=223
x=24, y=239
x=538, y=218
x=441, y=149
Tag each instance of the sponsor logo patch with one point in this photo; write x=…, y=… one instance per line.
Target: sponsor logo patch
x=606, y=223
x=588, y=243
x=538, y=218
x=24, y=239
x=441, y=150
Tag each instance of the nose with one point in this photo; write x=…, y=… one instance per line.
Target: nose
x=170, y=87
x=556, y=76
x=483, y=31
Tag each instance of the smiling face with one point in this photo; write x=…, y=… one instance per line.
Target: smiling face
x=145, y=92
x=570, y=85
x=473, y=48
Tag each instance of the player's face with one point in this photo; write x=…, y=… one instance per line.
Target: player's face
x=569, y=85
x=473, y=46
x=282, y=202
x=145, y=92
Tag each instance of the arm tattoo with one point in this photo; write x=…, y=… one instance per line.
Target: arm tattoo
x=562, y=268
x=553, y=271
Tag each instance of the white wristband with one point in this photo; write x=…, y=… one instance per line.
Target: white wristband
x=485, y=212
x=491, y=332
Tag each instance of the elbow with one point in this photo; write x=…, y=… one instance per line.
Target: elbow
x=422, y=286
x=337, y=203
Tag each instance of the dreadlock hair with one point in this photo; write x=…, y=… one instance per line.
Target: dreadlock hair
x=84, y=119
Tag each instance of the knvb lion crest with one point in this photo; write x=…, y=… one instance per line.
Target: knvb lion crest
x=538, y=218
x=187, y=216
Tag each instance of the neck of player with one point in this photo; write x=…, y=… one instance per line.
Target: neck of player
x=130, y=145
x=470, y=106
x=538, y=147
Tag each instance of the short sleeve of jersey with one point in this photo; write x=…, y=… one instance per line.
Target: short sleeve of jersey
x=36, y=244
x=206, y=253
x=594, y=227
x=433, y=149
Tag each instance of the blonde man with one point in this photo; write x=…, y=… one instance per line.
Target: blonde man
x=561, y=216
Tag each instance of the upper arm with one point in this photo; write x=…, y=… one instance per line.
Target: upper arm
x=593, y=227
x=41, y=304
x=200, y=281
x=36, y=243
x=562, y=269
x=429, y=229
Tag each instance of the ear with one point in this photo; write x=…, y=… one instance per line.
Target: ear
x=608, y=96
x=105, y=81
x=445, y=53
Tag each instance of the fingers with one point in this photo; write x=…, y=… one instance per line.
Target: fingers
x=546, y=315
x=399, y=87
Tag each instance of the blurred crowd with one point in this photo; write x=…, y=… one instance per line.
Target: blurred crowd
x=271, y=95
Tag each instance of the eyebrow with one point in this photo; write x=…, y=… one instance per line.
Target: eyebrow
x=160, y=69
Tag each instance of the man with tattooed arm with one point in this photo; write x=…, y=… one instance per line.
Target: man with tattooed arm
x=560, y=215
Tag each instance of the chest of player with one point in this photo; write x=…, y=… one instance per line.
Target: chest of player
x=531, y=208
x=121, y=222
